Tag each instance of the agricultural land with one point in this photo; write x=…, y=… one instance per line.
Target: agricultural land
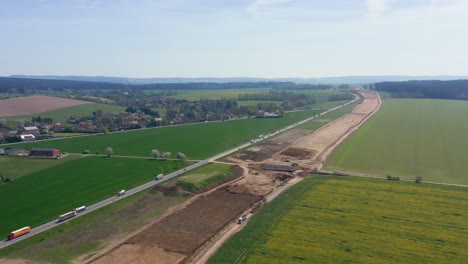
x=336, y=219
x=409, y=138
x=244, y=193
x=63, y=114
x=173, y=240
x=216, y=137
x=34, y=104
x=43, y=195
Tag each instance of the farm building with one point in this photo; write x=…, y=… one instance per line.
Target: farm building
x=27, y=137
x=45, y=152
x=274, y=167
x=15, y=152
x=31, y=130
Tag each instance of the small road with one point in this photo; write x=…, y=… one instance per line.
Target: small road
x=49, y=225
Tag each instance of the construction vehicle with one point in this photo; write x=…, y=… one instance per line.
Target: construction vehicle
x=241, y=219
x=19, y=232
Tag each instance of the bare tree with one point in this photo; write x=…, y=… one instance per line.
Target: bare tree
x=181, y=156
x=109, y=151
x=166, y=155
x=155, y=153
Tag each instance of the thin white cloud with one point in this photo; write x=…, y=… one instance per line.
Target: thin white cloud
x=259, y=4
x=377, y=7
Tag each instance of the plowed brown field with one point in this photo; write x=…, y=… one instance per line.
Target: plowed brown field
x=175, y=237
x=29, y=105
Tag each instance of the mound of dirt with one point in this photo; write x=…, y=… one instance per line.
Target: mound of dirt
x=237, y=172
x=170, y=189
x=299, y=153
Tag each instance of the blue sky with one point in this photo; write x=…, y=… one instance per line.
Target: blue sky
x=233, y=38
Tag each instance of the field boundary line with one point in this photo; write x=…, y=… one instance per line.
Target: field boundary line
x=353, y=174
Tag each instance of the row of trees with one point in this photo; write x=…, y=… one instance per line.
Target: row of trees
x=155, y=153
x=165, y=155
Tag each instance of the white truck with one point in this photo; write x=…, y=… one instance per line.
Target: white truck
x=160, y=176
x=122, y=192
x=241, y=219
x=80, y=209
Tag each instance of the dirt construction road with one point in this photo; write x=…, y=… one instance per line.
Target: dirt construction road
x=324, y=140
x=192, y=234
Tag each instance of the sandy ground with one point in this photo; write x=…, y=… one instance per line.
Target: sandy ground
x=29, y=105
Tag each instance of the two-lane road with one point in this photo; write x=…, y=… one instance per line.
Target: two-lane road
x=44, y=227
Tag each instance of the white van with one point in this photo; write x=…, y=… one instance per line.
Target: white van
x=122, y=192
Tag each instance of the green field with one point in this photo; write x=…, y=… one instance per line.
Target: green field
x=14, y=167
x=197, y=141
x=321, y=96
x=255, y=102
x=193, y=95
x=85, y=235
x=63, y=114
x=42, y=196
x=408, y=138
x=328, y=219
x=202, y=177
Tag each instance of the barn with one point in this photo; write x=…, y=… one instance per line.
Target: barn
x=45, y=152
x=15, y=152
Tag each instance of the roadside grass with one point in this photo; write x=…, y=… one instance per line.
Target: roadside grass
x=14, y=167
x=84, y=236
x=69, y=134
x=326, y=219
x=202, y=177
x=43, y=195
x=203, y=140
x=409, y=138
x=63, y=114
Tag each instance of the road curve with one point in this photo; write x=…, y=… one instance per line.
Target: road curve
x=91, y=208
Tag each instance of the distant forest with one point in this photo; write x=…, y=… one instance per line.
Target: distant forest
x=457, y=89
x=26, y=85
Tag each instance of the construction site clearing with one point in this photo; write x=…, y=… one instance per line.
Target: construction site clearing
x=194, y=231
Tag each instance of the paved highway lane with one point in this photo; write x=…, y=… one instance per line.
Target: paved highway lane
x=44, y=227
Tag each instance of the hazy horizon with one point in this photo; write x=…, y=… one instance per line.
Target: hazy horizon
x=228, y=39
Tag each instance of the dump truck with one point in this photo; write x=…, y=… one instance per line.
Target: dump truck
x=19, y=232
x=67, y=216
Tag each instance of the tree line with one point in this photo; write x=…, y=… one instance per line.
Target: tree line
x=31, y=86
x=456, y=89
